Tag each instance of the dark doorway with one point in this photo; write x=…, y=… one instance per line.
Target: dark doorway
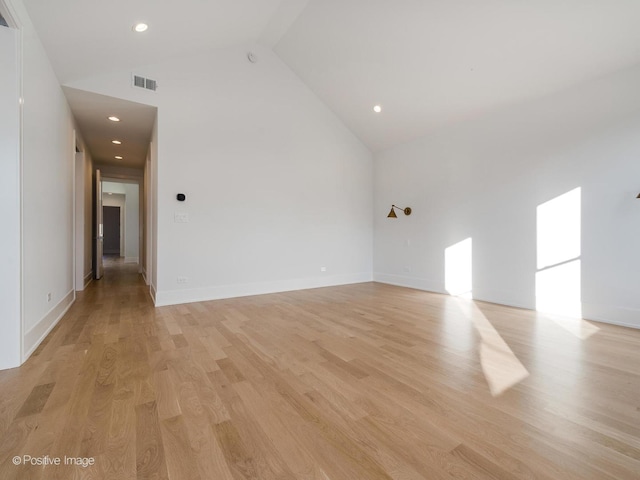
x=111, y=222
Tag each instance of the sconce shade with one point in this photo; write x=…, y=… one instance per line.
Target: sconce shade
x=392, y=213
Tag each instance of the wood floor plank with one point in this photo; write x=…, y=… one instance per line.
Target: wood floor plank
x=181, y=461
x=361, y=381
x=36, y=400
x=150, y=457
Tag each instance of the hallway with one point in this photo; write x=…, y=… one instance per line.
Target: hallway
x=81, y=385
x=364, y=381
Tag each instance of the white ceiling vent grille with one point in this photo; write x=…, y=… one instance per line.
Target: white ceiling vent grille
x=145, y=83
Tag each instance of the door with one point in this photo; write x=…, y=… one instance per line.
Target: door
x=99, y=227
x=111, y=220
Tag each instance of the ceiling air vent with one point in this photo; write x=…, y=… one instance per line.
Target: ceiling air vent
x=145, y=83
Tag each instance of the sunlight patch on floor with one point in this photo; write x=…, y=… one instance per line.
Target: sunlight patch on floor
x=500, y=366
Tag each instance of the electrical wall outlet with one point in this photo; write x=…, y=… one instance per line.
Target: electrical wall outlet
x=49, y=297
x=323, y=269
x=182, y=280
x=407, y=269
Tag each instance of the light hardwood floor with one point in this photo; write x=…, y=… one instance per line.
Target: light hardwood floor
x=365, y=381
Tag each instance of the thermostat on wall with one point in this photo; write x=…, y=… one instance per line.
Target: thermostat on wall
x=181, y=197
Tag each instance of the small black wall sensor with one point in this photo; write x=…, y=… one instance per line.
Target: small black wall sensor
x=181, y=197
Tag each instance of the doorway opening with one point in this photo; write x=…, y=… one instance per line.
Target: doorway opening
x=113, y=231
x=122, y=226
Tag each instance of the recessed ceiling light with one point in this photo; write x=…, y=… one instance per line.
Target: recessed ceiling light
x=114, y=119
x=140, y=27
x=117, y=142
x=377, y=109
x=118, y=157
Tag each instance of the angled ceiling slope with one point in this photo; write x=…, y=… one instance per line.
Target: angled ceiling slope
x=430, y=63
x=85, y=38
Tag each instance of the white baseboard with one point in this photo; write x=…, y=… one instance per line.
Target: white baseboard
x=175, y=297
x=36, y=335
x=409, y=282
x=621, y=316
x=152, y=292
x=130, y=259
x=88, y=278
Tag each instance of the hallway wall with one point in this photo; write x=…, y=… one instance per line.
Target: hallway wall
x=48, y=157
x=10, y=197
x=84, y=215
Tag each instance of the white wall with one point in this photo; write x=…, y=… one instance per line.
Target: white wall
x=132, y=223
x=151, y=170
x=276, y=186
x=112, y=187
x=48, y=191
x=10, y=307
x=485, y=178
x=83, y=218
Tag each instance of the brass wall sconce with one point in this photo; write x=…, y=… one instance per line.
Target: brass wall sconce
x=392, y=213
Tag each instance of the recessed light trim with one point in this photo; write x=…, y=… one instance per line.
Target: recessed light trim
x=117, y=142
x=377, y=108
x=118, y=157
x=140, y=27
x=113, y=118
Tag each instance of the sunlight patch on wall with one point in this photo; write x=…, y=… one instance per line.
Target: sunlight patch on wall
x=558, y=290
x=559, y=229
x=558, y=282
x=458, y=275
x=558, y=279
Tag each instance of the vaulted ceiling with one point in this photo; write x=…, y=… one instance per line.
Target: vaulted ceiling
x=428, y=63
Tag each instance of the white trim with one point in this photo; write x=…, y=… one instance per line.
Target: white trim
x=502, y=298
x=9, y=14
x=74, y=229
x=17, y=23
x=131, y=260
x=88, y=278
x=11, y=356
x=409, y=282
x=175, y=297
x=37, y=334
x=152, y=292
x=621, y=316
